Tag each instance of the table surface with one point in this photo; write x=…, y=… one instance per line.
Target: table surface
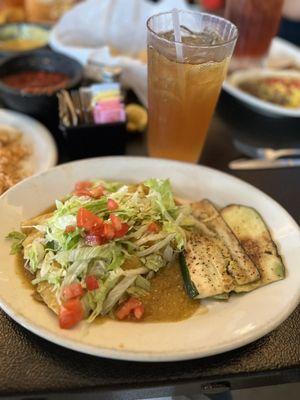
x=32, y=366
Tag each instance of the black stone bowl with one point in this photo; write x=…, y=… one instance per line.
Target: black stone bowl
x=45, y=60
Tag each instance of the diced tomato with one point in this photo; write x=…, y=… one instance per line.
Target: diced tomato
x=138, y=312
x=153, y=227
x=94, y=240
x=97, y=230
x=121, y=228
x=127, y=307
x=72, y=291
x=70, y=313
x=88, y=220
x=82, y=192
x=122, y=232
x=109, y=231
x=67, y=318
x=84, y=189
x=91, y=282
x=97, y=192
x=112, y=205
x=116, y=222
x=70, y=228
x=83, y=185
x=81, y=188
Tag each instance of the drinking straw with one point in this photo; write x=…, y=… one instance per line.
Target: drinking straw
x=177, y=34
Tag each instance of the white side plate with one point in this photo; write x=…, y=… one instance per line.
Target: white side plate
x=36, y=136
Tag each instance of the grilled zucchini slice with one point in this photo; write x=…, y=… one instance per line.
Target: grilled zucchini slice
x=241, y=268
x=254, y=236
x=204, y=267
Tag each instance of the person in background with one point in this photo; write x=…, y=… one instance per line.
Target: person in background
x=290, y=24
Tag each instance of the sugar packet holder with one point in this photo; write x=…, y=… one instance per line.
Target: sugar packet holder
x=93, y=121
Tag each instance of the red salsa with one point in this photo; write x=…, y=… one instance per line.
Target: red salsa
x=36, y=82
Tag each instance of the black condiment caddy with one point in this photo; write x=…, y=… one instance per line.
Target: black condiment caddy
x=94, y=140
x=82, y=136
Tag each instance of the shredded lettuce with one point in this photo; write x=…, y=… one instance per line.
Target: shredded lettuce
x=156, y=246
x=154, y=262
x=136, y=271
x=74, y=272
x=140, y=288
x=110, y=253
x=117, y=292
x=62, y=256
x=34, y=254
x=163, y=188
x=17, y=239
x=98, y=296
x=142, y=283
x=50, y=272
x=136, y=291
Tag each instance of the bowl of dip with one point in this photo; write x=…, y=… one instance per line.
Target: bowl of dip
x=29, y=81
x=19, y=37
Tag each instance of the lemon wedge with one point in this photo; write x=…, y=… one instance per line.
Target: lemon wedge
x=137, y=117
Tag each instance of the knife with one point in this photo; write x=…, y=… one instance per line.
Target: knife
x=257, y=163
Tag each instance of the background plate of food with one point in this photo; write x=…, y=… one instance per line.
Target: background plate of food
x=273, y=90
x=129, y=272
x=274, y=93
x=26, y=148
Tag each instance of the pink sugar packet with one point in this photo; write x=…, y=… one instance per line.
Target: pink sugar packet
x=109, y=113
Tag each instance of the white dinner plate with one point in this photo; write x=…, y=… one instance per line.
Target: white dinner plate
x=225, y=326
x=36, y=136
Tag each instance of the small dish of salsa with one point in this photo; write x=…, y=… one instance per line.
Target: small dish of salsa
x=29, y=81
x=36, y=82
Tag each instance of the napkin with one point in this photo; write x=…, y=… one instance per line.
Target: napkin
x=112, y=32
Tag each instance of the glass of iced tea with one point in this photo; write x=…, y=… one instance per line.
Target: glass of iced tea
x=257, y=22
x=184, y=80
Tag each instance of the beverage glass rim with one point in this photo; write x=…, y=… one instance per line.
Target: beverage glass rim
x=204, y=46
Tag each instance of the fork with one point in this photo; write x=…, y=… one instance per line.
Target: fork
x=265, y=153
x=271, y=154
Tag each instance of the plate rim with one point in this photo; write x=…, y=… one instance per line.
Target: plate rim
x=128, y=355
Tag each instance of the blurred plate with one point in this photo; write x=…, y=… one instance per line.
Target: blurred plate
x=262, y=106
x=36, y=137
x=226, y=325
x=20, y=37
x=283, y=60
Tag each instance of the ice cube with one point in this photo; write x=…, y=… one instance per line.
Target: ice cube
x=207, y=37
